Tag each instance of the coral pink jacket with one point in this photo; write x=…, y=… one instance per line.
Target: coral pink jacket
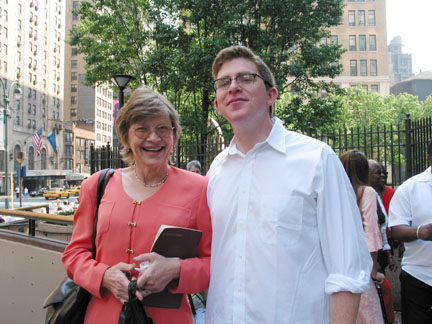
x=181, y=201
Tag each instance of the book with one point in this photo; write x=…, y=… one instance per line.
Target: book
x=173, y=242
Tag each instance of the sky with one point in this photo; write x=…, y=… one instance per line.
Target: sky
x=413, y=22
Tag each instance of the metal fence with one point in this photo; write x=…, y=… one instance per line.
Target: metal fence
x=402, y=148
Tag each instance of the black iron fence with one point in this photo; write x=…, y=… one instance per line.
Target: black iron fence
x=402, y=148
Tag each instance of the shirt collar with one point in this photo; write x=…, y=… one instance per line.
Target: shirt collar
x=276, y=139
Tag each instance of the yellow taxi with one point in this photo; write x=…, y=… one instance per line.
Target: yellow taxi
x=74, y=191
x=56, y=193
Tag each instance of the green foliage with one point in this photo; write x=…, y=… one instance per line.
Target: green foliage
x=170, y=45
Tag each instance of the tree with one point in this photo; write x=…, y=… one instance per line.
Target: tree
x=170, y=45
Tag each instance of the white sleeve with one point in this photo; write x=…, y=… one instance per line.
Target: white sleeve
x=341, y=232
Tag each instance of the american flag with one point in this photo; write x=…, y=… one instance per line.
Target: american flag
x=37, y=140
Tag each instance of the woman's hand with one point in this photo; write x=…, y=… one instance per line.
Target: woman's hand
x=159, y=273
x=116, y=281
x=378, y=277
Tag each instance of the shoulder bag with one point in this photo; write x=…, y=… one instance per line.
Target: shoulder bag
x=67, y=303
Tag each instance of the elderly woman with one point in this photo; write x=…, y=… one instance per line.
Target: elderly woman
x=137, y=201
x=357, y=168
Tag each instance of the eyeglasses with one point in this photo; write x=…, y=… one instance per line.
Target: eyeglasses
x=243, y=80
x=161, y=131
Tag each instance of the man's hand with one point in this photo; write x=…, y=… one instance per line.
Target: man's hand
x=159, y=273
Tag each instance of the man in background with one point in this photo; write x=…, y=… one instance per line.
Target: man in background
x=411, y=222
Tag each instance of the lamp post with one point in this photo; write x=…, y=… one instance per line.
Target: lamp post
x=6, y=95
x=121, y=81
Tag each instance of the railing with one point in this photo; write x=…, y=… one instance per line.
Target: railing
x=400, y=147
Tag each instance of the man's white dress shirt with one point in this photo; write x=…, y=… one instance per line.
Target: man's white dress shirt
x=412, y=205
x=287, y=232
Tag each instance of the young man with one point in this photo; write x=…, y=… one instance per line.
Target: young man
x=411, y=222
x=288, y=244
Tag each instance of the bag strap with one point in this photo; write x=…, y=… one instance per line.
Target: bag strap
x=102, y=182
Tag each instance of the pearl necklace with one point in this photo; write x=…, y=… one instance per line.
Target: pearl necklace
x=153, y=185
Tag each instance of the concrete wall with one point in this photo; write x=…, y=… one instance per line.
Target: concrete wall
x=28, y=273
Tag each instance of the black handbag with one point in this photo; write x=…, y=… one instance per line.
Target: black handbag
x=67, y=303
x=133, y=310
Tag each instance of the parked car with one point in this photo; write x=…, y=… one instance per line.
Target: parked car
x=38, y=192
x=56, y=193
x=74, y=191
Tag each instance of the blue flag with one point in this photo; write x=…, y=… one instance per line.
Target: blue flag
x=52, y=140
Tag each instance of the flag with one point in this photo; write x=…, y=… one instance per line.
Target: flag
x=37, y=140
x=52, y=140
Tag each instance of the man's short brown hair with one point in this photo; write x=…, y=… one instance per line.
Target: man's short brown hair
x=238, y=51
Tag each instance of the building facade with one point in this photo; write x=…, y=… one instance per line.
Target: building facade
x=32, y=55
x=419, y=85
x=400, y=63
x=363, y=34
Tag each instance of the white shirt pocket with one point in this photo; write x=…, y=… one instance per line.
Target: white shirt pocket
x=280, y=219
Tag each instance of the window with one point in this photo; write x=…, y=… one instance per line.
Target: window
x=75, y=5
x=361, y=18
x=363, y=67
x=74, y=63
x=372, y=42
x=353, y=67
x=73, y=88
x=4, y=66
x=365, y=87
x=5, y=49
x=371, y=17
x=352, y=43
x=73, y=100
x=333, y=39
x=74, y=76
x=362, y=42
x=374, y=87
x=5, y=32
x=351, y=18
x=74, y=51
x=373, y=68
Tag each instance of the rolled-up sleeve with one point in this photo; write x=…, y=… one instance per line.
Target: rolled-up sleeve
x=342, y=237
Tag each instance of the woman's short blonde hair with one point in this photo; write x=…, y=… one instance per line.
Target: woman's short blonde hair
x=143, y=104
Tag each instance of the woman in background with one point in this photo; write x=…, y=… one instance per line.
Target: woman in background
x=357, y=167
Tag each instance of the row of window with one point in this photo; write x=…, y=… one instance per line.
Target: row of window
x=103, y=114
x=361, y=18
x=362, y=43
x=365, y=87
x=373, y=68
x=103, y=126
x=103, y=138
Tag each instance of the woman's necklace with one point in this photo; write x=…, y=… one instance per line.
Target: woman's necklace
x=153, y=185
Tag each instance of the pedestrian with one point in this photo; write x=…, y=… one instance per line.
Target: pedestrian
x=17, y=191
x=411, y=222
x=194, y=166
x=25, y=192
x=288, y=243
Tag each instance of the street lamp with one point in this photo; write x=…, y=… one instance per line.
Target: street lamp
x=17, y=93
x=122, y=80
